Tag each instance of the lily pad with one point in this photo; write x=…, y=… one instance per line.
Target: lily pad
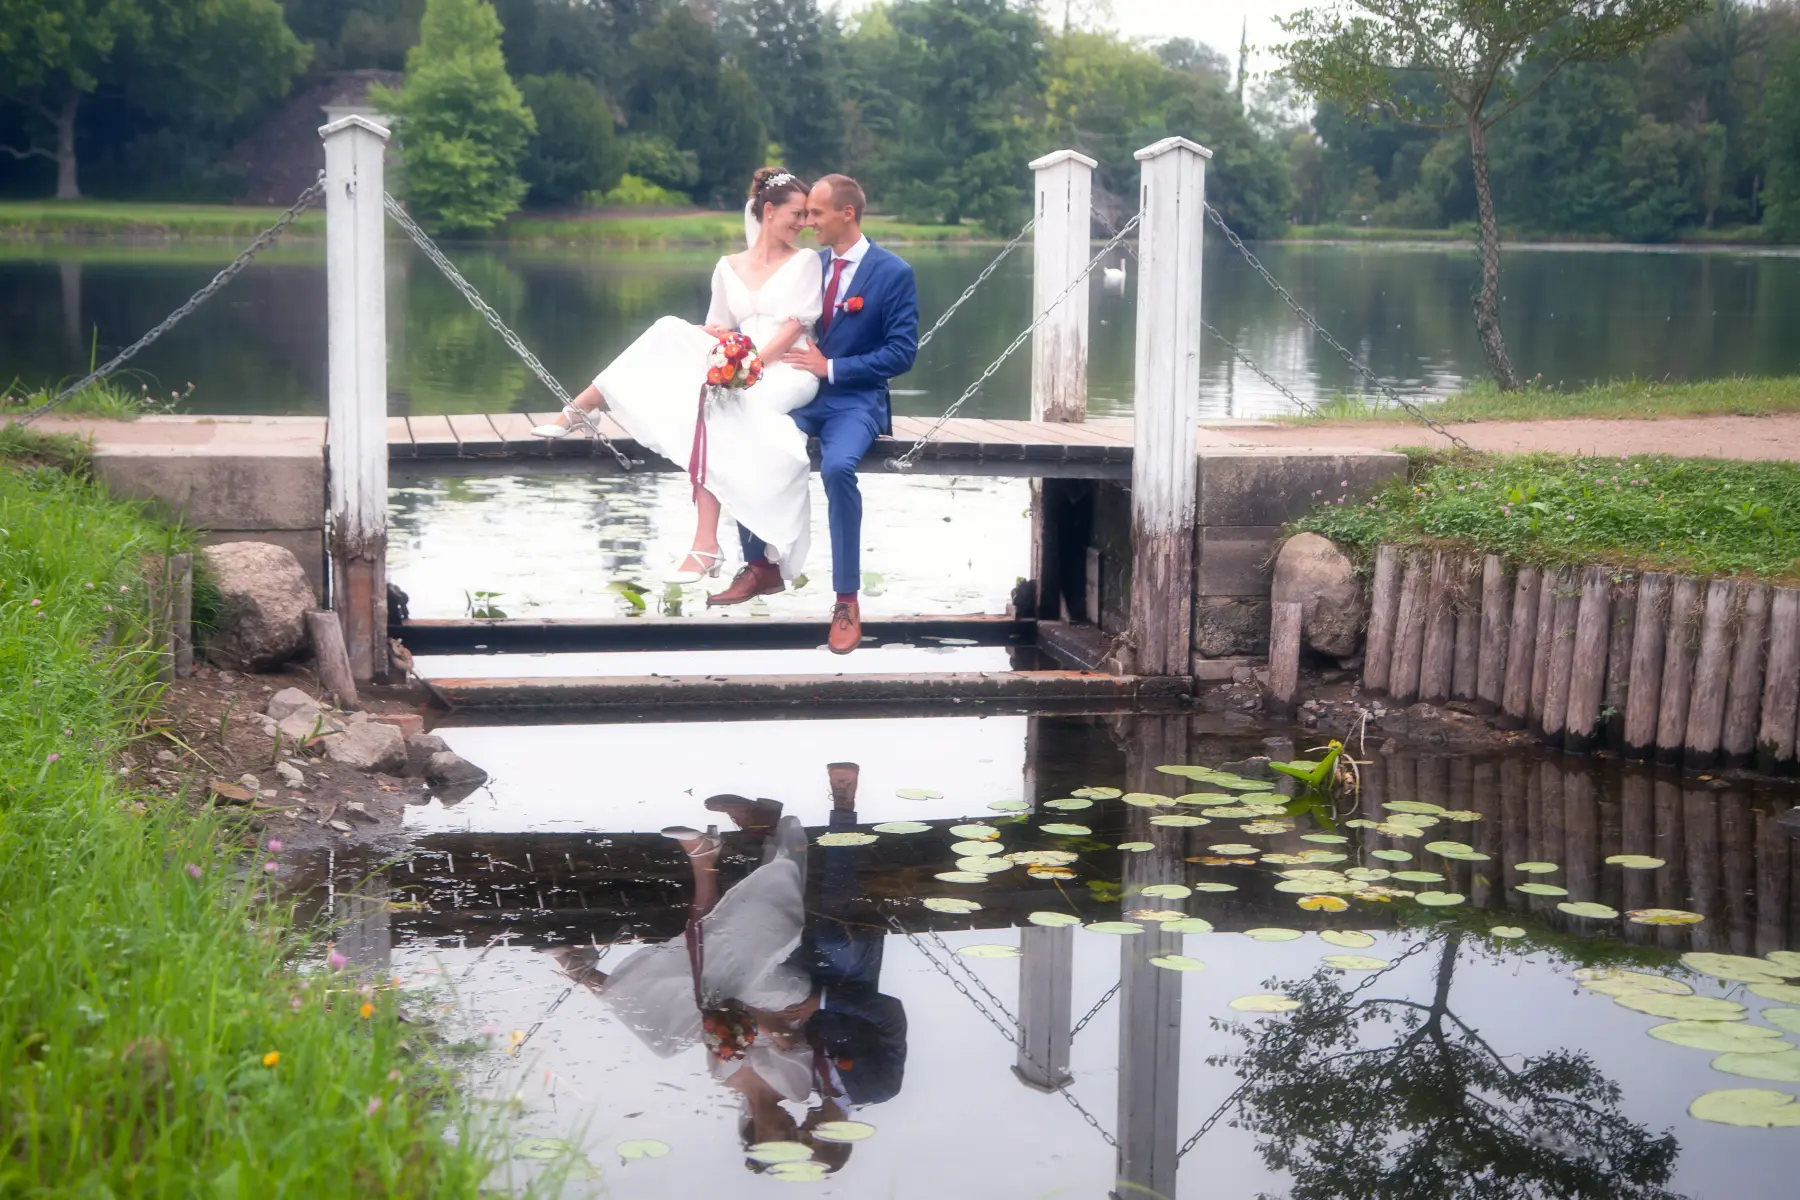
x=1418, y=877
x=1120, y=928
x=1137, y=847
x=1098, y=793
x=1349, y=939
x=1449, y=848
x=1354, y=962
x=1753, y=1108
x=1369, y=874
x=1204, y=798
x=1064, y=830
x=1268, y=1002
x=989, y=950
x=799, y=1172
x=917, y=794
x=976, y=849
x=1682, y=1008
x=1540, y=889
x=1663, y=916
x=1053, y=920
x=643, y=1148
x=1391, y=855
x=1783, y=1018
x=1614, y=982
x=1786, y=960
x=1008, y=806
x=1328, y=839
x=1156, y=916
x=771, y=1153
x=1178, y=820
x=1536, y=868
x=843, y=1131
x=1635, y=862
x=1188, y=925
x=1460, y=814
x=1305, y=886
x=845, y=839
x=1784, y=1067
x=1413, y=806
x=1721, y=1037
x=1273, y=933
x=901, y=827
x=1215, y=887
x=1264, y=827
x=1360, y=823
x=961, y=876
x=1508, y=932
x=1070, y=805
x=542, y=1149
x=1739, y=968
x=1393, y=830
x=950, y=904
x=1146, y=800
x=1177, y=962
x=1781, y=993
x=1049, y=872
x=1043, y=858
x=974, y=833
x=1323, y=903
x=983, y=865
x=1234, y=848
x=1440, y=899
x=1588, y=909
x=1168, y=891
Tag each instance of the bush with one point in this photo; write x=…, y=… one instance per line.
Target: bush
x=462, y=125
x=575, y=151
x=656, y=159
x=633, y=192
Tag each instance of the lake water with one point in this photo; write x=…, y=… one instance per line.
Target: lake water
x=1425, y=1049
x=259, y=346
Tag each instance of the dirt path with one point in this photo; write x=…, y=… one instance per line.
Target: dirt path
x=1774, y=437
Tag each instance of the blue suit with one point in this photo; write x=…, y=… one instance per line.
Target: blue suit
x=866, y=349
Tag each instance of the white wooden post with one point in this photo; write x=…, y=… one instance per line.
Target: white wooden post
x=1060, y=249
x=1167, y=405
x=356, y=336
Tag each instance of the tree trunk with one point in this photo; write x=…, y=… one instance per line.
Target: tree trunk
x=1487, y=300
x=67, y=187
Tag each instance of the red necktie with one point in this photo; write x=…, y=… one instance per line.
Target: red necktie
x=837, y=271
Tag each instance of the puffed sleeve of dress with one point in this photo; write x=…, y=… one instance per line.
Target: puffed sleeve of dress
x=807, y=299
x=719, y=313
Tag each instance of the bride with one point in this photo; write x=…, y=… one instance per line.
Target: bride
x=756, y=462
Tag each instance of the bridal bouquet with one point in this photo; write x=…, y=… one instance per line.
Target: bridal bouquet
x=733, y=363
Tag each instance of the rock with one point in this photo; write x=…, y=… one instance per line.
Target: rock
x=165, y=756
x=231, y=793
x=340, y=826
x=1316, y=573
x=356, y=809
x=449, y=769
x=419, y=749
x=249, y=781
x=288, y=701
x=368, y=746
x=409, y=724
x=265, y=724
x=264, y=595
x=290, y=774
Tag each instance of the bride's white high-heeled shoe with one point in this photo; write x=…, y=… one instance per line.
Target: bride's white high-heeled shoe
x=681, y=577
x=553, y=430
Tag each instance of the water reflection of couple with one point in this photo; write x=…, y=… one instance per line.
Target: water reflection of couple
x=787, y=1002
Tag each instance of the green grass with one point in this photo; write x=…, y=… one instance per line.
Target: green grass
x=1692, y=515
x=144, y=972
x=693, y=229
x=115, y=399
x=1623, y=400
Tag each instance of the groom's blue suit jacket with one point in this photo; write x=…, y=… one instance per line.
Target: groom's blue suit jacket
x=870, y=347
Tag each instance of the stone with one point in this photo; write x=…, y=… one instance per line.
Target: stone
x=250, y=781
x=290, y=774
x=448, y=769
x=1226, y=627
x=165, y=756
x=264, y=596
x=357, y=809
x=1312, y=571
x=419, y=749
x=409, y=724
x=368, y=746
x=288, y=701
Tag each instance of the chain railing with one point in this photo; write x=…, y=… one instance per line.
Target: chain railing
x=261, y=242
x=423, y=240
x=979, y=280
x=907, y=460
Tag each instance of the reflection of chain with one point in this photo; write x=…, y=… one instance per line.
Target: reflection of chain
x=1344, y=1002
x=401, y=218
x=973, y=978
x=1009, y=1034
x=261, y=242
x=1094, y=1011
x=906, y=461
x=979, y=280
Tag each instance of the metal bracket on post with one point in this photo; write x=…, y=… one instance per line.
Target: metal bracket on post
x=1164, y=483
x=356, y=335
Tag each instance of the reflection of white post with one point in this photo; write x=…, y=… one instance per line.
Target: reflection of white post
x=1167, y=405
x=1046, y=976
x=356, y=336
x=1060, y=249
x=367, y=939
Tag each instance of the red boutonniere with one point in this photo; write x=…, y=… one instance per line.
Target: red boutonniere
x=853, y=304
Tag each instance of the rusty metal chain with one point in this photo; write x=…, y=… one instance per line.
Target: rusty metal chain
x=261, y=242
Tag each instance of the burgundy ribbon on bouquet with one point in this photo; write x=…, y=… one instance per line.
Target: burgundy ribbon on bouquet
x=697, y=455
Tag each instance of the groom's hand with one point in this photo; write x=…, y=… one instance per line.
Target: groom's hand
x=807, y=358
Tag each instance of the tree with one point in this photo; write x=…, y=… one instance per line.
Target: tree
x=575, y=150
x=681, y=90
x=56, y=53
x=1185, y=54
x=1356, y=51
x=1781, y=109
x=462, y=125
x=793, y=53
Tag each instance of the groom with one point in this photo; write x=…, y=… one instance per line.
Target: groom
x=868, y=333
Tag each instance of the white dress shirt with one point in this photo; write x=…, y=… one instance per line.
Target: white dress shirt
x=852, y=258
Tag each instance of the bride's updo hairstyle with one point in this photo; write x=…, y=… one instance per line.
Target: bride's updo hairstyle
x=773, y=185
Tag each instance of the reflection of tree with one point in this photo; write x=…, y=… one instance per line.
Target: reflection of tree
x=1437, y=1110
x=451, y=360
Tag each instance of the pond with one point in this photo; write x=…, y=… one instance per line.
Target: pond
x=1573, y=316
x=1360, y=1000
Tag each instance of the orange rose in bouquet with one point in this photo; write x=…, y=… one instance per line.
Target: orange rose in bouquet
x=733, y=363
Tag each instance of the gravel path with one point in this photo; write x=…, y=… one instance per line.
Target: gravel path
x=1774, y=437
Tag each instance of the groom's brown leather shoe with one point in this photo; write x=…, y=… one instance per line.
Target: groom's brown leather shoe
x=846, y=627
x=756, y=579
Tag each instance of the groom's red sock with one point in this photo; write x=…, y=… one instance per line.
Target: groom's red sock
x=846, y=597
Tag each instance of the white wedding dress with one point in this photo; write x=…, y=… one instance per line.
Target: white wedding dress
x=756, y=461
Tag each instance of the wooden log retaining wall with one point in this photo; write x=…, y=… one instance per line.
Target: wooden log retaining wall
x=1688, y=671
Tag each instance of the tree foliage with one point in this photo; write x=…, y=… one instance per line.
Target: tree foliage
x=462, y=125
x=575, y=150
x=680, y=88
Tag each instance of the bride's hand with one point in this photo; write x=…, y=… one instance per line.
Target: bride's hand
x=715, y=330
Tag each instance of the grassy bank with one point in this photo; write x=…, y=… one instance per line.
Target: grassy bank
x=23, y=220
x=1693, y=515
x=154, y=1038
x=1626, y=400
x=1736, y=235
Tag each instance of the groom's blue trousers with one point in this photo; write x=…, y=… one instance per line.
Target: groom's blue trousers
x=845, y=435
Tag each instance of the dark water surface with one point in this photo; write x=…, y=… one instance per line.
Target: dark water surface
x=1447, y=1062
x=1571, y=316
